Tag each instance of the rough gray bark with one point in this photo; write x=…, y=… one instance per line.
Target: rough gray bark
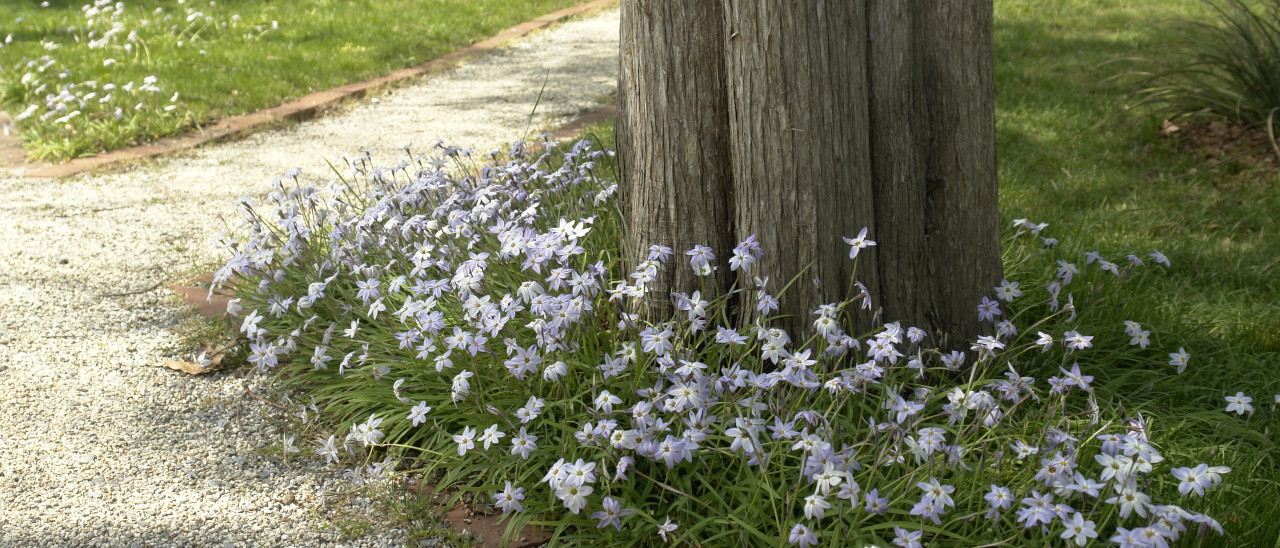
x=798, y=141
x=672, y=132
x=934, y=160
x=961, y=217
x=840, y=114
x=898, y=117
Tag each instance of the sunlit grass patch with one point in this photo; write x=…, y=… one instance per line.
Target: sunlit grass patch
x=81, y=77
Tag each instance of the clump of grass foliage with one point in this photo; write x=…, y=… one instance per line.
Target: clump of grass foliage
x=1227, y=66
x=470, y=322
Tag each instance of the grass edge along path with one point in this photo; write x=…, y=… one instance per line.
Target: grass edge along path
x=300, y=109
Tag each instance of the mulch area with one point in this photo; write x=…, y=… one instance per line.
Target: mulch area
x=1226, y=143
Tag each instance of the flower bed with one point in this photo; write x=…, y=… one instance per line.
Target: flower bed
x=470, y=322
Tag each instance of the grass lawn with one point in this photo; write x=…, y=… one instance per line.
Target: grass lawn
x=221, y=58
x=1072, y=156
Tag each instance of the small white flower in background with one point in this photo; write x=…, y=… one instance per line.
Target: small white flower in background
x=815, y=507
x=1045, y=342
x=250, y=325
x=609, y=516
x=287, y=445
x=395, y=389
x=1007, y=291
x=1160, y=258
x=1076, y=341
x=368, y=432
x=461, y=386
x=1131, y=501
x=1033, y=228
x=876, y=504
x=374, y=308
x=906, y=538
x=1079, y=529
x=509, y=499
x=1179, y=359
x=988, y=310
x=1023, y=450
x=1140, y=338
x=859, y=243
x=1066, y=271
x=802, y=536
x=1239, y=404
x=666, y=527
x=574, y=496
x=523, y=444
x=328, y=450
x=1129, y=538
x=999, y=498
x=554, y=371
x=828, y=478
x=466, y=440
x=1192, y=479
x=605, y=402
x=491, y=436
x=419, y=413
x=915, y=334
x=938, y=492
x=1213, y=475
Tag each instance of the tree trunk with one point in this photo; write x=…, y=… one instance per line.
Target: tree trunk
x=672, y=132
x=839, y=115
x=798, y=142
x=956, y=83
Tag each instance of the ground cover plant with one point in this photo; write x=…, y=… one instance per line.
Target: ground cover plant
x=1228, y=66
x=82, y=77
x=472, y=319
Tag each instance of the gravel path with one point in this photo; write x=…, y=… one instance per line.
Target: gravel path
x=100, y=448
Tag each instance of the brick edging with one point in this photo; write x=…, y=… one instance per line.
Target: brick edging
x=307, y=106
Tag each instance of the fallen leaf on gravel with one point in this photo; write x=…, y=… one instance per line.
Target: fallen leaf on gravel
x=192, y=368
x=189, y=368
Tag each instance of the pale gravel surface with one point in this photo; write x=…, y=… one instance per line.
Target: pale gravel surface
x=100, y=448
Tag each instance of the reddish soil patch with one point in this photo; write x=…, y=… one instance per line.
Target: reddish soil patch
x=195, y=292
x=463, y=518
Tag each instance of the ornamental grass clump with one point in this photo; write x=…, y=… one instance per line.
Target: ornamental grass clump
x=1226, y=67
x=470, y=323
